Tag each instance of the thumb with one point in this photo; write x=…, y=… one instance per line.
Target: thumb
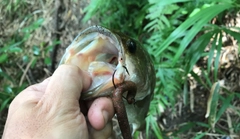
x=66, y=83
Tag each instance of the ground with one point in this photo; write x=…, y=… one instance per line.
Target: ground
x=62, y=20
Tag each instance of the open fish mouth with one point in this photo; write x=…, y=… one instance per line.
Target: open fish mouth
x=112, y=58
x=99, y=52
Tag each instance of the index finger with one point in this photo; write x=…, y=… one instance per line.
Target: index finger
x=66, y=83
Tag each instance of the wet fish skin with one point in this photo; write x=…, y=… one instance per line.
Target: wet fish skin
x=131, y=55
x=142, y=73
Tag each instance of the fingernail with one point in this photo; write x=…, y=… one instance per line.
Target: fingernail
x=105, y=116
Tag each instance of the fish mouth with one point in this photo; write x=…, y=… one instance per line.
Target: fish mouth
x=99, y=52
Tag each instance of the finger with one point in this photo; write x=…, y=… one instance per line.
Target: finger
x=32, y=94
x=40, y=87
x=66, y=84
x=100, y=112
x=104, y=133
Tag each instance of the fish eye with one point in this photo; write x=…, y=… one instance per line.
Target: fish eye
x=131, y=44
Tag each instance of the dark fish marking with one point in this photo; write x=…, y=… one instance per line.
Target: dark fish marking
x=113, y=78
x=126, y=69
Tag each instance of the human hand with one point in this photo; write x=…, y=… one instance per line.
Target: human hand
x=51, y=109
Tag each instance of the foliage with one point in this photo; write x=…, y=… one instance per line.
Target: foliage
x=16, y=55
x=119, y=11
x=177, y=33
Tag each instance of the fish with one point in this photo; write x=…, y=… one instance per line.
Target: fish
x=111, y=58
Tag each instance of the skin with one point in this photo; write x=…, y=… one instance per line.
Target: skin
x=51, y=109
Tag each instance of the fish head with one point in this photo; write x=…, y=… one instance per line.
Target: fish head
x=112, y=58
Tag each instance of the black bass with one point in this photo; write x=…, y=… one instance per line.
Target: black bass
x=112, y=58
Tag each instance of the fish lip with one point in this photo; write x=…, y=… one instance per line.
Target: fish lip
x=90, y=32
x=103, y=31
x=106, y=32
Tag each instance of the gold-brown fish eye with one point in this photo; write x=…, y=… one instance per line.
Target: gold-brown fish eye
x=131, y=45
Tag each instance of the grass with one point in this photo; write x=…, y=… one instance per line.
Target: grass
x=176, y=33
x=17, y=55
x=179, y=34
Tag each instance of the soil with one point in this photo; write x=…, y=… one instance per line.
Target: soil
x=62, y=21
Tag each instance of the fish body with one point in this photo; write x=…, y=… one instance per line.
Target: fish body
x=112, y=58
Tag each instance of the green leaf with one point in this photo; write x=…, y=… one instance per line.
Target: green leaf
x=3, y=58
x=197, y=22
x=185, y=127
x=235, y=34
x=136, y=134
x=36, y=50
x=207, y=78
x=211, y=54
x=151, y=122
x=198, y=79
x=11, y=47
x=6, y=76
x=15, y=49
x=25, y=59
x=34, y=62
x=202, y=124
x=200, y=21
x=225, y=105
x=33, y=26
x=5, y=104
x=47, y=61
x=213, y=99
x=93, y=7
x=8, y=89
x=4, y=49
x=199, y=135
x=216, y=62
x=157, y=14
x=50, y=47
x=195, y=52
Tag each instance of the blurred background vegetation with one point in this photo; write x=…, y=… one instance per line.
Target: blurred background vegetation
x=194, y=45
